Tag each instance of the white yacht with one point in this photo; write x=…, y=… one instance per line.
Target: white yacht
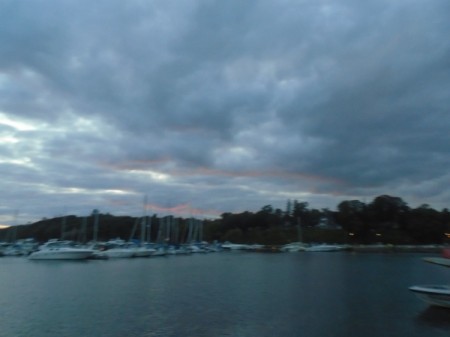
x=60, y=250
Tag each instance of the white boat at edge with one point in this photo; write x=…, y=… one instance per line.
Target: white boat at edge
x=435, y=294
x=60, y=250
x=438, y=295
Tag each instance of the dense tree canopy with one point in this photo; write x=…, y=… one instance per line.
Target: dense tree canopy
x=386, y=219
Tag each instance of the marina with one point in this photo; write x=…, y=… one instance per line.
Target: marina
x=224, y=169
x=119, y=248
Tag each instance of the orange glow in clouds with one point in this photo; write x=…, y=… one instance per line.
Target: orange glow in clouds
x=182, y=209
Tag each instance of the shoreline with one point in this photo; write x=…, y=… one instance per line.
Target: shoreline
x=398, y=248
x=359, y=248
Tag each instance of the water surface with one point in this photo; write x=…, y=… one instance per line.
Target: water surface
x=222, y=294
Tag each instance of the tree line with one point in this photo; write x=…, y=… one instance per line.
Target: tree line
x=386, y=219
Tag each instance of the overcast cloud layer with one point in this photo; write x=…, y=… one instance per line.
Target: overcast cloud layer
x=221, y=106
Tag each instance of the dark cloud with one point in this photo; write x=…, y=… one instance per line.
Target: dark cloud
x=222, y=105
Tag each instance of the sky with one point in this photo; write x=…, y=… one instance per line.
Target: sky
x=200, y=107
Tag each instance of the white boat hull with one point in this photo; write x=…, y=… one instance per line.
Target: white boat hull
x=324, y=248
x=438, y=295
x=61, y=254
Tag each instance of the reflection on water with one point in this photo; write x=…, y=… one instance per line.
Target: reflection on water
x=223, y=294
x=435, y=317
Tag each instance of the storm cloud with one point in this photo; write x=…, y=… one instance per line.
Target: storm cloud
x=221, y=106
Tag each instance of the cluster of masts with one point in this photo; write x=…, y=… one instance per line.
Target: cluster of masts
x=171, y=238
x=169, y=230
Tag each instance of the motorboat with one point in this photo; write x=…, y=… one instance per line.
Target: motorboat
x=97, y=250
x=433, y=294
x=60, y=250
x=117, y=248
x=438, y=295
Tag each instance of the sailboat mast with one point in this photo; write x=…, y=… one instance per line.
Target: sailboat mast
x=299, y=230
x=63, y=226
x=189, y=237
x=143, y=228
x=83, y=230
x=95, y=237
x=144, y=220
x=149, y=229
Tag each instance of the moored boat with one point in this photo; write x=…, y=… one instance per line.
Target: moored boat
x=159, y=251
x=60, y=250
x=233, y=246
x=118, y=248
x=325, y=248
x=293, y=247
x=143, y=251
x=438, y=295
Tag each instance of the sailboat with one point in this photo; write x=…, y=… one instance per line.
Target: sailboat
x=298, y=246
x=116, y=248
x=143, y=249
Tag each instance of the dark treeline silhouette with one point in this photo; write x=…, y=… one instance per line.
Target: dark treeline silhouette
x=386, y=219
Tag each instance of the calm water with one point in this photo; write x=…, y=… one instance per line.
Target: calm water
x=222, y=294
